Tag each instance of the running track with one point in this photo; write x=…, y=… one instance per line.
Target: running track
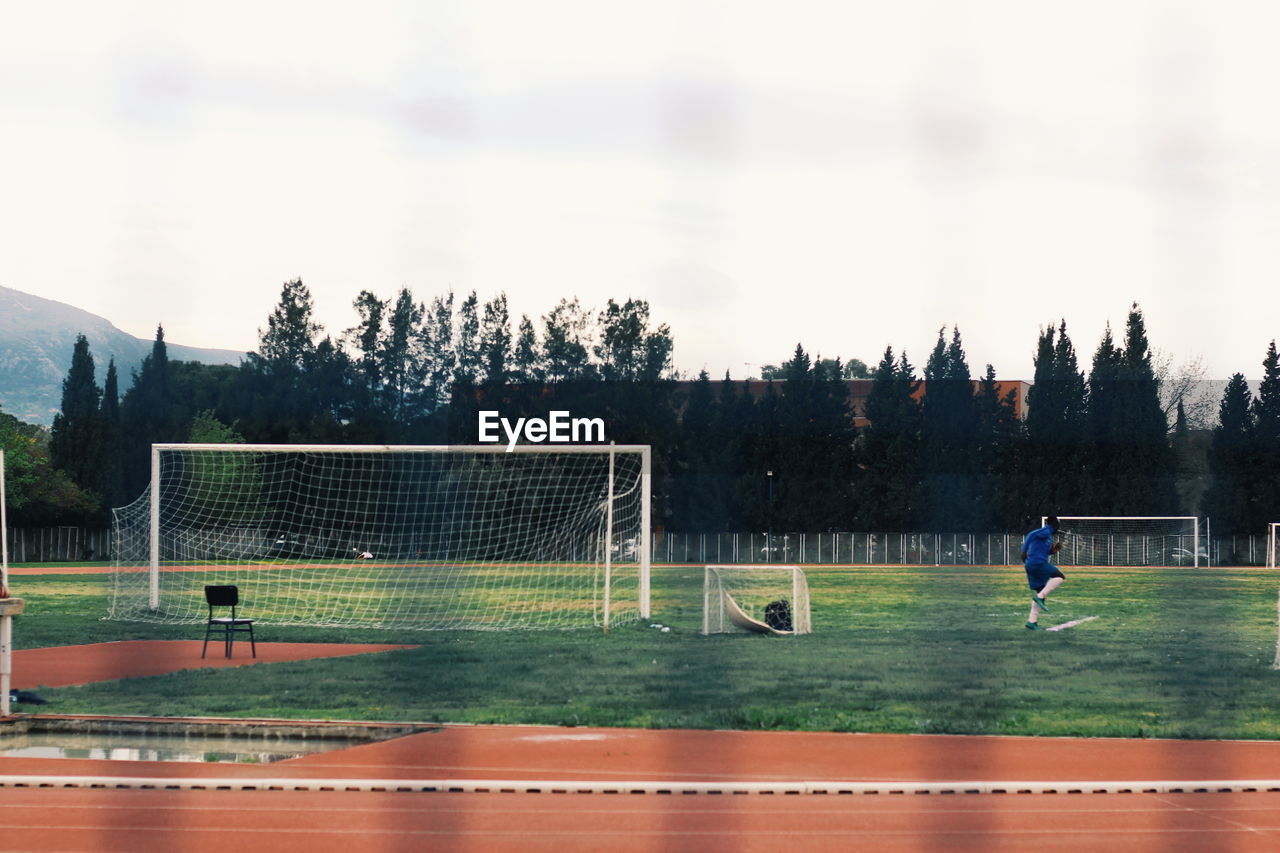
x=177, y=815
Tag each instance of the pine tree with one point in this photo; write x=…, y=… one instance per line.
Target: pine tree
x=467, y=366
x=1105, y=429
x=1231, y=459
x=526, y=359
x=1149, y=469
x=734, y=431
x=439, y=355
x=699, y=499
x=495, y=341
x=150, y=413
x=812, y=460
x=1053, y=471
x=291, y=336
x=113, y=489
x=948, y=440
x=76, y=442
x=888, y=456
x=367, y=336
x=565, y=339
x=403, y=360
x=1265, y=498
x=999, y=447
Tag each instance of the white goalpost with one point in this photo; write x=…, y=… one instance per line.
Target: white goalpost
x=1273, y=540
x=8, y=607
x=411, y=537
x=766, y=599
x=1129, y=541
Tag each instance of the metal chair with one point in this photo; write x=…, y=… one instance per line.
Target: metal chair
x=226, y=596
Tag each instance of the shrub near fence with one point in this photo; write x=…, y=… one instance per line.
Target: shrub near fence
x=68, y=544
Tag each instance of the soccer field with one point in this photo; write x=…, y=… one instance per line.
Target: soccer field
x=1182, y=653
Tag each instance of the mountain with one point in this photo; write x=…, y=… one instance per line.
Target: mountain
x=37, y=336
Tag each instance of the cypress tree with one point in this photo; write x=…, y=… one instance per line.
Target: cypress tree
x=75, y=445
x=1149, y=469
x=1105, y=429
x=698, y=497
x=113, y=489
x=1054, y=469
x=1231, y=459
x=888, y=458
x=1265, y=498
x=814, y=452
x=999, y=445
x=150, y=413
x=948, y=440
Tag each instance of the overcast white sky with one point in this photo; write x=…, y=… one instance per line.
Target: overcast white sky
x=847, y=175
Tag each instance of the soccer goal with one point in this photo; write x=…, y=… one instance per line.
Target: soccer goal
x=1130, y=541
x=411, y=537
x=1273, y=541
x=768, y=599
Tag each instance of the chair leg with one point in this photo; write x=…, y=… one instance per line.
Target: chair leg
x=252, y=645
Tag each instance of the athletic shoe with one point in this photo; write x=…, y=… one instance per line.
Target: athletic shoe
x=1040, y=602
x=1032, y=626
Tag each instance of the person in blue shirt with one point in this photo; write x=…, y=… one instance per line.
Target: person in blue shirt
x=1042, y=576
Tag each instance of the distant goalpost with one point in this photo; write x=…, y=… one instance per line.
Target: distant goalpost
x=1129, y=541
x=765, y=599
x=410, y=537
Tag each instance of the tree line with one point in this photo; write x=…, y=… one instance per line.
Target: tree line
x=936, y=449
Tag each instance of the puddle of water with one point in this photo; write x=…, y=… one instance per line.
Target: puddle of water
x=166, y=747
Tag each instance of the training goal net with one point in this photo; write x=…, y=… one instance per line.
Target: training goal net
x=1130, y=541
x=769, y=599
x=408, y=537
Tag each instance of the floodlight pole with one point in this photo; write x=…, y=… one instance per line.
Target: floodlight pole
x=768, y=544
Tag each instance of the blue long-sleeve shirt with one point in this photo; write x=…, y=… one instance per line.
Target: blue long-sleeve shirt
x=1037, y=544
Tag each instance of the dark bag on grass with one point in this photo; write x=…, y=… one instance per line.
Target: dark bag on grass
x=777, y=615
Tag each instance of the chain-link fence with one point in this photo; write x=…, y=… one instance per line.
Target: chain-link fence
x=66, y=544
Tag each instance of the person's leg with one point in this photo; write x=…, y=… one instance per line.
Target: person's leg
x=1050, y=585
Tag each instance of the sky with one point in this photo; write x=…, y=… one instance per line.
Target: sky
x=842, y=175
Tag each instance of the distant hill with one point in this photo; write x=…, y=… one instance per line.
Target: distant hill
x=36, y=339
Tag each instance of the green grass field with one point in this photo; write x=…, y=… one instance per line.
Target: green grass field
x=1181, y=653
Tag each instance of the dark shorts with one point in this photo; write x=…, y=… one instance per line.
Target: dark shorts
x=1038, y=574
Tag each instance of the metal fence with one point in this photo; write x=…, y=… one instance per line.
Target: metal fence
x=926, y=549
x=67, y=544
x=58, y=544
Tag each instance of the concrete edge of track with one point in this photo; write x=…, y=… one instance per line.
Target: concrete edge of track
x=674, y=787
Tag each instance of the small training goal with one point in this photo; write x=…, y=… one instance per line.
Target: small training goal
x=768, y=599
x=408, y=537
x=1129, y=541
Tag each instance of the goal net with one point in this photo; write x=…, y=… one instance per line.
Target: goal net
x=1129, y=541
x=410, y=537
x=767, y=599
